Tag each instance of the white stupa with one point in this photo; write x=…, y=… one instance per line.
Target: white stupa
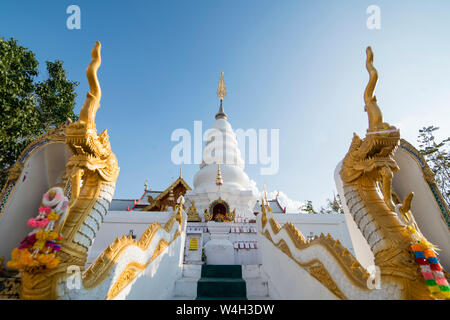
x=221, y=148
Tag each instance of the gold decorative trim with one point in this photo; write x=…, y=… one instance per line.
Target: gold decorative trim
x=134, y=268
x=315, y=267
x=346, y=261
x=100, y=269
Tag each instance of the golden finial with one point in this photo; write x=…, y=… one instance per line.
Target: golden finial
x=92, y=102
x=371, y=107
x=221, y=94
x=219, y=180
x=181, y=171
x=221, y=90
x=145, y=184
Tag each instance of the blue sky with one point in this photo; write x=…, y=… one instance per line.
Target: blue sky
x=297, y=66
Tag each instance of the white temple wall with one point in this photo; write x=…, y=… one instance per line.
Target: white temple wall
x=286, y=280
x=424, y=207
x=156, y=281
x=42, y=169
x=118, y=223
x=315, y=224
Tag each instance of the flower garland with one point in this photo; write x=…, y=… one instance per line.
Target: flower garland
x=425, y=256
x=431, y=269
x=38, y=250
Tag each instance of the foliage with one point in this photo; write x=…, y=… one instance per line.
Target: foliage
x=333, y=206
x=28, y=108
x=438, y=158
x=308, y=207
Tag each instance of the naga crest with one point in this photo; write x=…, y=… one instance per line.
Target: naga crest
x=375, y=151
x=91, y=151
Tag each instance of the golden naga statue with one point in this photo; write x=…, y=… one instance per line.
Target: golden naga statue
x=93, y=170
x=389, y=229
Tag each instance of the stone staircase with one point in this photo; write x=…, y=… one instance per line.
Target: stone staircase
x=198, y=281
x=221, y=282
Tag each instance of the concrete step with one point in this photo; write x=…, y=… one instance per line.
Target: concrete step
x=257, y=284
x=257, y=287
x=186, y=287
x=192, y=271
x=251, y=271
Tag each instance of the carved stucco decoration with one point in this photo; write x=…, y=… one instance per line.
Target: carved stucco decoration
x=133, y=269
x=102, y=266
x=92, y=170
x=346, y=261
x=367, y=171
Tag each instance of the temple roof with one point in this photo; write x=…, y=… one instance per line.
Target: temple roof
x=274, y=204
x=157, y=199
x=151, y=200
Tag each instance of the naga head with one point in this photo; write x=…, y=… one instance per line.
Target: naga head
x=91, y=151
x=369, y=155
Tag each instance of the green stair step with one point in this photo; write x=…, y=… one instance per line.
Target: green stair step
x=221, y=282
x=221, y=287
x=221, y=271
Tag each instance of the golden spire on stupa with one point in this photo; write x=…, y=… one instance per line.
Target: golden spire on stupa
x=221, y=94
x=221, y=90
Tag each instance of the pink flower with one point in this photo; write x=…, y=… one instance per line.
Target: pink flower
x=44, y=210
x=32, y=223
x=43, y=223
x=36, y=223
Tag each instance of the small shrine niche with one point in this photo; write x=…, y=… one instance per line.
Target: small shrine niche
x=219, y=211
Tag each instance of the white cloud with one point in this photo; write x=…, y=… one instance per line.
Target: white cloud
x=292, y=206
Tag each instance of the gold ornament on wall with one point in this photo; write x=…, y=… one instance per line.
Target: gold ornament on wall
x=192, y=214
